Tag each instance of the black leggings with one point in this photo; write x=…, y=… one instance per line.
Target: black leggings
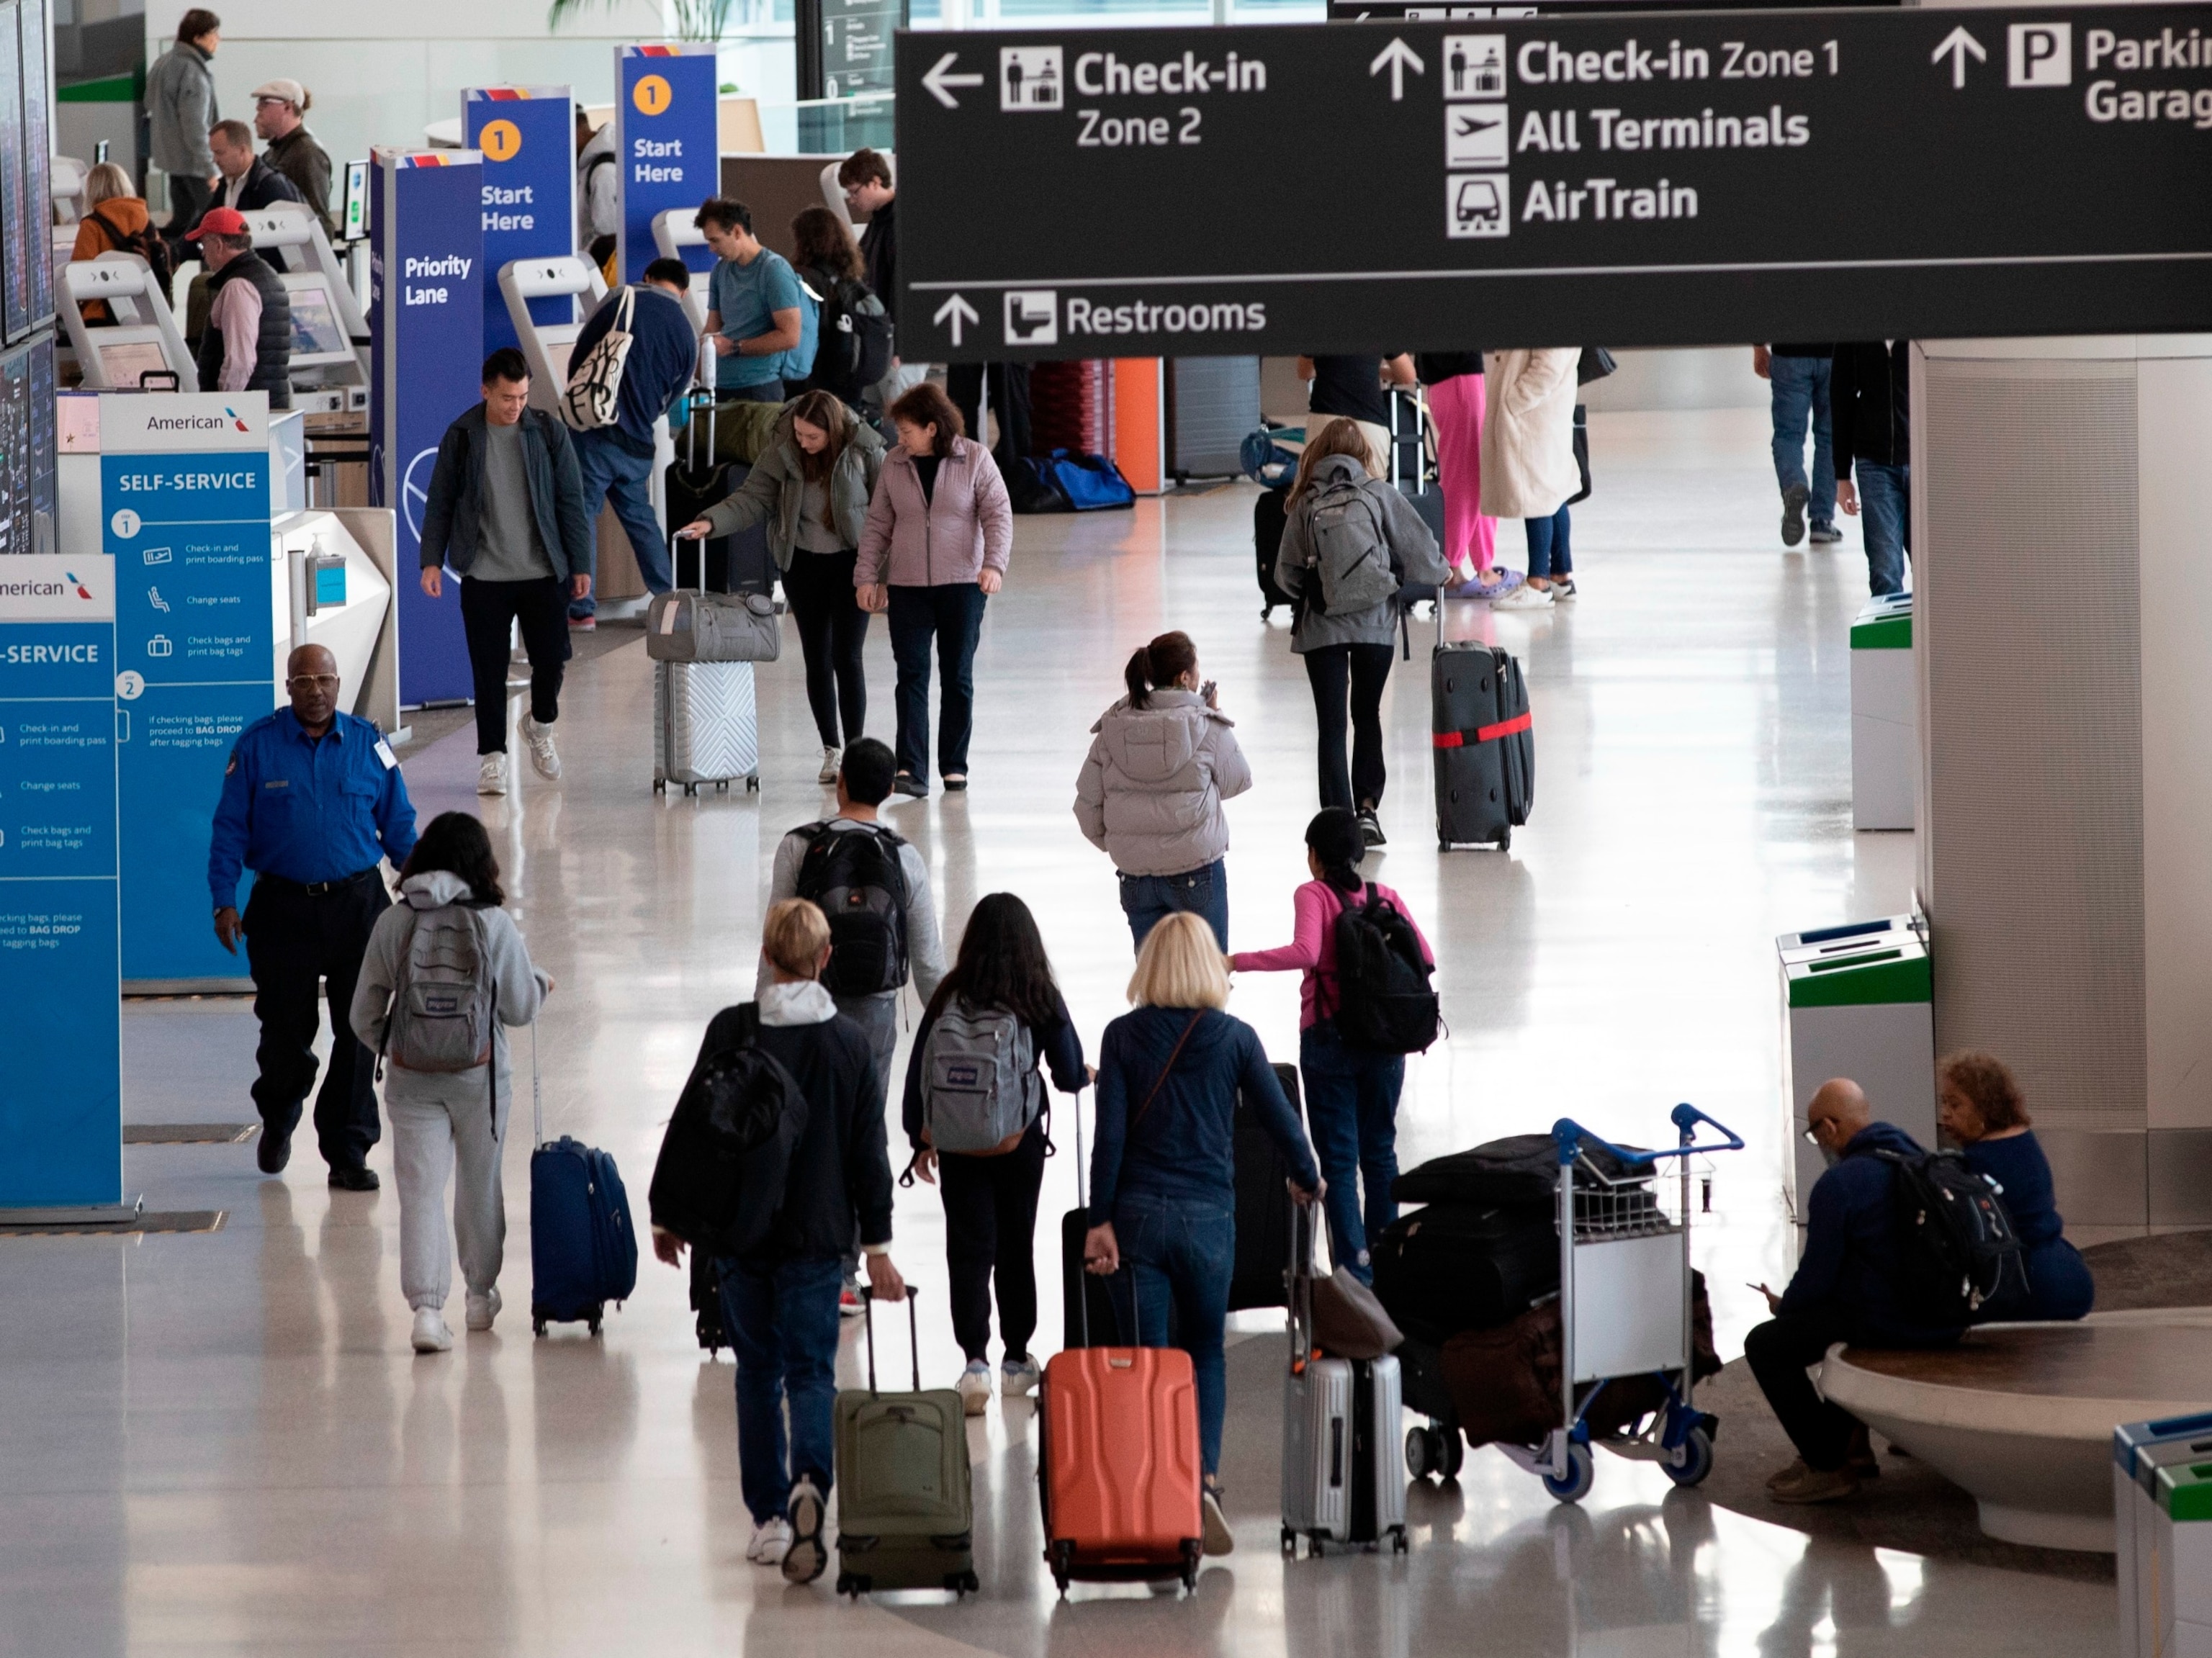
x=990, y=1221
x=833, y=632
x=1358, y=673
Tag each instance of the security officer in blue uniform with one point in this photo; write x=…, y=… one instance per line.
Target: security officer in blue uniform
x=312, y=799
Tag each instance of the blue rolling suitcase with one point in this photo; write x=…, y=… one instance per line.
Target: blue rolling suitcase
x=583, y=1249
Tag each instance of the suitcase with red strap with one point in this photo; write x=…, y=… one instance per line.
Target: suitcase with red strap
x=1486, y=754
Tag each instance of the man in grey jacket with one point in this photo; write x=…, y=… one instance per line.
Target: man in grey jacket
x=180, y=109
x=506, y=510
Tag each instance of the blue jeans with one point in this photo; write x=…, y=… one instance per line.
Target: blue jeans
x=1800, y=390
x=1148, y=900
x=1352, y=1108
x=1549, y=552
x=1885, y=517
x=611, y=471
x=783, y=1323
x=1183, y=1249
x=952, y=616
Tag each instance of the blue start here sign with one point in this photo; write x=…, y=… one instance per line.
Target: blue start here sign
x=526, y=135
x=668, y=133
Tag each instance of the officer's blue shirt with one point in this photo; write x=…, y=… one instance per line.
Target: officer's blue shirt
x=308, y=810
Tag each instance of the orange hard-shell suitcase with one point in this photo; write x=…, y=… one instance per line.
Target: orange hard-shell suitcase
x=1118, y=1467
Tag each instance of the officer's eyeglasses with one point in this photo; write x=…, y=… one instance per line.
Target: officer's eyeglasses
x=329, y=681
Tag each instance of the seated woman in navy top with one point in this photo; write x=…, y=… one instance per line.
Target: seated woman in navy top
x=1980, y=1110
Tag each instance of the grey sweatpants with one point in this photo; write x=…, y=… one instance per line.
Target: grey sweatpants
x=877, y=1017
x=437, y=1123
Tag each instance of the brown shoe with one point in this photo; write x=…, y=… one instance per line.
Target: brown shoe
x=1817, y=1485
x=1790, y=1475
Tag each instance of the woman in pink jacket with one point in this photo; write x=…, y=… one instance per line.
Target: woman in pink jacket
x=1351, y=1094
x=940, y=529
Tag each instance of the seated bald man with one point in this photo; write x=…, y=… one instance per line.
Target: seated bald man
x=1844, y=1290
x=313, y=801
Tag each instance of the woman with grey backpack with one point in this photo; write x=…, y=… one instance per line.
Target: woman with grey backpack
x=1350, y=542
x=445, y=973
x=975, y=1113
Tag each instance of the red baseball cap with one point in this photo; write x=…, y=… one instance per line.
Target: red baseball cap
x=218, y=221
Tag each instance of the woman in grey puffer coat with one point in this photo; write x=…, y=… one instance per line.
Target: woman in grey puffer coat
x=1163, y=759
x=1350, y=541
x=812, y=485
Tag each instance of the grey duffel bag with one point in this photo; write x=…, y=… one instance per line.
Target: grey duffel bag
x=694, y=626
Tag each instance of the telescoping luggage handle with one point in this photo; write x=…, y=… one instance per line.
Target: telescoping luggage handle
x=1083, y=1294
x=914, y=1330
x=1305, y=1223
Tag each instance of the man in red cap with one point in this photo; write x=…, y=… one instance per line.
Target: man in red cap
x=247, y=346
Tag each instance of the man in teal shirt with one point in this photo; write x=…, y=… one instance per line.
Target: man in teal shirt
x=753, y=305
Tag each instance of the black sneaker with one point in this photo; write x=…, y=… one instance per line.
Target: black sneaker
x=358, y=1179
x=1371, y=827
x=274, y=1151
x=1826, y=535
x=803, y=1560
x=1793, y=514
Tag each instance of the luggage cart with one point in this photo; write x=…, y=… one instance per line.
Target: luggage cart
x=1625, y=1308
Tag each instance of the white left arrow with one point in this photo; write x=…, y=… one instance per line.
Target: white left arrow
x=939, y=79
x=958, y=310
x=1399, y=57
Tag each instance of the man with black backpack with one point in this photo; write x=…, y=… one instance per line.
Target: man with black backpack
x=874, y=888
x=1856, y=1281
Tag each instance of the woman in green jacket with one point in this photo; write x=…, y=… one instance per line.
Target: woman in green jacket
x=812, y=486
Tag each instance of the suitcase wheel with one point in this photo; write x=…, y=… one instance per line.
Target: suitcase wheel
x=722, y=786
x=537, y=1326
x=1417, y=1452
x=1291, y=1540
x=752, y=784
x=962, y=1582
x=592, y=1323
x=690, y=788
x=1061, y=1557
x=851, y=1583
x=1398, y=1543
x=661, y=785
x=1505, y=840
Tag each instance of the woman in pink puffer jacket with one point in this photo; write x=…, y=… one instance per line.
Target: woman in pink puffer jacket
x=939, y=531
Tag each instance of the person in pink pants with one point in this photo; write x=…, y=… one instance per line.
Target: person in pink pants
x=1456, y=399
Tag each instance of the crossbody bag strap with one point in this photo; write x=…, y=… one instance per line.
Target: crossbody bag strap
x=1174, y=1053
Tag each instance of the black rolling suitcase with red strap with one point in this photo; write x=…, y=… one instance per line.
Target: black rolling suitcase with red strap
x=1486, y=753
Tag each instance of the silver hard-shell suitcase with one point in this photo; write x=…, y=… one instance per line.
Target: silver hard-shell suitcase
x=1344, y=1471
x=704, y=728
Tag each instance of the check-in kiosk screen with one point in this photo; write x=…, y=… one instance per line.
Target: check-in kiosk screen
x=124, y=362
x=316, y=331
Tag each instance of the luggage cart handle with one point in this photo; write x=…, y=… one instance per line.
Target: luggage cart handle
x=1571, y=1136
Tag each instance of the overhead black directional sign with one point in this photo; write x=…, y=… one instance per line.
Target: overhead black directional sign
x=1635, y=180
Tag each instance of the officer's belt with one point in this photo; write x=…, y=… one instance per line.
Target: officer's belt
x=318, y=888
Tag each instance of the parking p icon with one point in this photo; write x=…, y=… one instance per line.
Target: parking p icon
x=2039, y=55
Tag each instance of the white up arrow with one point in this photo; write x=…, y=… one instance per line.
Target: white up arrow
x=1400, y=58
x=938, y=79
x=957, y=309
x=1956, y=45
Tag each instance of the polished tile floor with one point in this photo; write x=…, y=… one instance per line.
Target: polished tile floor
x=220, y=1443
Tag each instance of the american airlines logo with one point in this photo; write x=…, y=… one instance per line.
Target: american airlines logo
x=189, y=423
x=44, y=589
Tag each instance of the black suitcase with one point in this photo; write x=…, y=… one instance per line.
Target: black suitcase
x=1264, y=1205
x=707, y=1304
x=1444, y=1268
x=1485, y=757
x=696, y=481
x=1267, y=516
x=1412, y=462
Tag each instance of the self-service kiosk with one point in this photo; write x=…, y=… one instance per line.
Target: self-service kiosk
x=329, y=335
x=143, y=348
x=545, y=346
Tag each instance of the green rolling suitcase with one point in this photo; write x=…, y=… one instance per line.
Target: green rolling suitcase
x=905, y=1504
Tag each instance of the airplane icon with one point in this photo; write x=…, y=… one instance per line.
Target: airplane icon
x=1475, y=136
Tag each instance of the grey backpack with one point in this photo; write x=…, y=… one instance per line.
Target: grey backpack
x=979, y=1083
x=1351, y=554
x=445, y=1001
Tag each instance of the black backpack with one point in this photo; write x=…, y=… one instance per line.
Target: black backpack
x=726, y=1155
x=1957, y=1251
x=852, y=339
x=145, y=242
x=1384, y=1003
x=856, y=875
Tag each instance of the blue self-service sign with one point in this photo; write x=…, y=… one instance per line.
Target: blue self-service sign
x=61, y=1066
x=425, y=321
x=526, y=135
x=202, y=619
x=668, y=133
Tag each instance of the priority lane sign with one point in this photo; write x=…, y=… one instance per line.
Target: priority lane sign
x=1645, y=178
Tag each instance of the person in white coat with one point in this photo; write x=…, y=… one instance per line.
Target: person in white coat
x=1161, y=760
x=442, y=1117
x=1529, y=469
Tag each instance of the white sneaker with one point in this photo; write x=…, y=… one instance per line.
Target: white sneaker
x=975, y=1386
x=491, y=774
x=771, y=1542
x=483, y=1309
x=1523, y=598
x=803, y=1560
x=1018, y=1377
x=543, y=755
x=431, y=1335
x=831, y=759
